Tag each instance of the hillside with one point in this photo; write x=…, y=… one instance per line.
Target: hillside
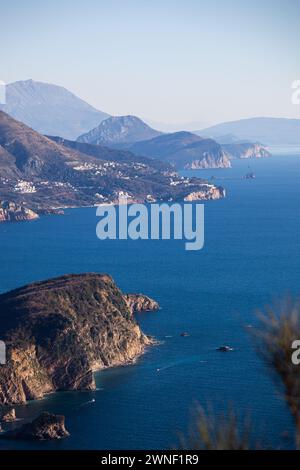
x=42, y=173
x=27, y=153
x=109, y=154
x=183, y=150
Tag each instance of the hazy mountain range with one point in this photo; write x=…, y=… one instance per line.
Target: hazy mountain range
x=53, y=110
x=181, y=149
x=269, y=131
x=50, y=109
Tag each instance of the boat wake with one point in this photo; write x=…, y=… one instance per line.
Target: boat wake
x=181, y=363
x=88, y=402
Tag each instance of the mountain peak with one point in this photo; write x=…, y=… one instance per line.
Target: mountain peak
x=119, y=130
x=50, y=109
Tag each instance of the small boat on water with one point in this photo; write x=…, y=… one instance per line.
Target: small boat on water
x=184, y=333
x=87, y=402
x=249, y=176
x=224, y=348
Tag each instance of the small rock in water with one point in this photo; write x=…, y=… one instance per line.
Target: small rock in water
x=8, y=416
x=141, y=303
x=46, y=426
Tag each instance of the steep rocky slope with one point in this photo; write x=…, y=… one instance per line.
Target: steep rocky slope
x=57, y=332
x=28, y=154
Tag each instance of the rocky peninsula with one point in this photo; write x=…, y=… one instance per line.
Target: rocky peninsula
x=58, y=332
x=12, y=212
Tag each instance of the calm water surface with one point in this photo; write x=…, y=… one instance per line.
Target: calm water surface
x=251, y=256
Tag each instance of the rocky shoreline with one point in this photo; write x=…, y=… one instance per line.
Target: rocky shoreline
x=12, y=212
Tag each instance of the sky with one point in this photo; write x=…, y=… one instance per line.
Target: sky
x=167, y=61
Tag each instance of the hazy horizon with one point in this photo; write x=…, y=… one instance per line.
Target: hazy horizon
x=173, y=63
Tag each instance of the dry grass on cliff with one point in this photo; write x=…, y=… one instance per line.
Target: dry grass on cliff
x=209, y=431
x=279, y=328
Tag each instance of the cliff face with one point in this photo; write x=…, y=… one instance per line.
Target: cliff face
x=12, y=212
x=246, y=150
x=58, y=332
x=210, y=192
x=210, y=160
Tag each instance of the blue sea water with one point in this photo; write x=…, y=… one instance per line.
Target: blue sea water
x=251, y=258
